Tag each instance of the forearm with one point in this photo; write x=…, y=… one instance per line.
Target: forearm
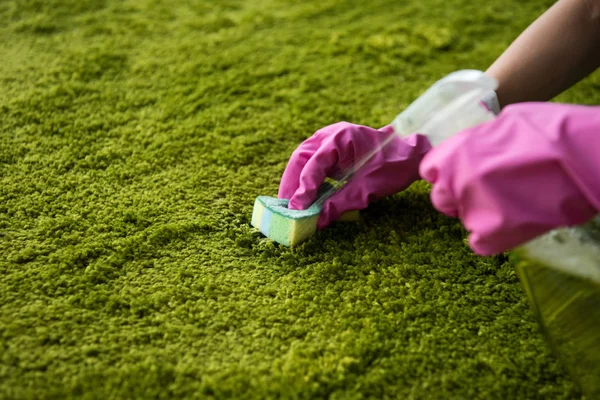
x=552, y=54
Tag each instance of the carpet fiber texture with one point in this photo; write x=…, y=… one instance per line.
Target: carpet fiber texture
x=134, y=137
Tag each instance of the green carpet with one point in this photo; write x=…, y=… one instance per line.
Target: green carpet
x=134, y=137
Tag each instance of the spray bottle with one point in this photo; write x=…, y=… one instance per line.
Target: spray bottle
x=560, y=270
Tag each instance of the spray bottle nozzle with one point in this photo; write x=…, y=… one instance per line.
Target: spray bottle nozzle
x=448, y=106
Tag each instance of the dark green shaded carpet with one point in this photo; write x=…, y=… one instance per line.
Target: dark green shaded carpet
x=134, y=137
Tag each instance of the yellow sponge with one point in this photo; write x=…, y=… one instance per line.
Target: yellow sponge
x=288, y=227
x=349, y=216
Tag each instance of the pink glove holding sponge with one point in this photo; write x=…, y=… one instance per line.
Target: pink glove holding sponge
x=337, y=148
x=532, y=169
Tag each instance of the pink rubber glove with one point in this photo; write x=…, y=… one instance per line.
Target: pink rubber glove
x=532, y=169
x=333, y=150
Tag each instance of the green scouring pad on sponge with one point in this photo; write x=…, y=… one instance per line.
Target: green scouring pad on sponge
x=288, y=227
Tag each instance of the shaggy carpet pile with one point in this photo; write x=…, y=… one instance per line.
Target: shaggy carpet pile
x=134, y=137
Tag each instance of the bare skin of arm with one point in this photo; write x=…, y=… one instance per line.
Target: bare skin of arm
x=558, y=50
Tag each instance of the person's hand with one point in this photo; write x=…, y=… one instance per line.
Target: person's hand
x=335, y=149
x=532, y=169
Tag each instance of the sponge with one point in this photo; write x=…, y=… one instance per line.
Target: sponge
x=290, y=227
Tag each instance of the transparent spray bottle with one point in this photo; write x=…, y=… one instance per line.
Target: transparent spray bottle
x=560, y=270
